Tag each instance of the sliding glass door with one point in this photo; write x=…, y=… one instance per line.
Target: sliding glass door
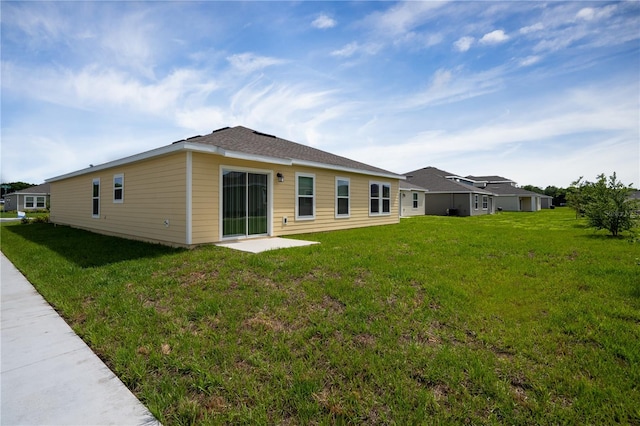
x=244, y=203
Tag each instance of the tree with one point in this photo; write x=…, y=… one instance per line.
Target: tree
x=558, y=194
x=8, y=188
x=533, y=189
x=605, y=203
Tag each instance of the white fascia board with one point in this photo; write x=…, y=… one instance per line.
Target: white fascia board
x=253, y=157
x=164, y=150
x=347, y=169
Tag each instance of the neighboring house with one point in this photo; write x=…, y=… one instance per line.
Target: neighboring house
x=546, y=201
x=450, y=194
x=508, y=196
x=231, y=184
x=412, y=199
x=28, y=199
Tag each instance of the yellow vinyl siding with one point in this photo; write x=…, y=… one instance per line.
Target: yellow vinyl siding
x=325, y=199
x=154, y=192
x=205, y=190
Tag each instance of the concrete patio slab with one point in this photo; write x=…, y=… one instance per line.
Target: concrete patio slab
x=48, y=375
x=258, y=245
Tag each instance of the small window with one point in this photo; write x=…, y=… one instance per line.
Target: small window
x=305, y=196
x=28, y=202
x=475, y=202
x=485, y=202
x=95, y=211
x=118, y=188
x=342, y=197
x=415, y=200
x=379, y=198
x=40, y=202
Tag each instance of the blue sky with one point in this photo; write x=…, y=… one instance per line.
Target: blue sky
x=539, y=92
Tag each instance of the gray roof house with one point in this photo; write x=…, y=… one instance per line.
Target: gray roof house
x=508, y=196
x=28, y=199
x=450, y=194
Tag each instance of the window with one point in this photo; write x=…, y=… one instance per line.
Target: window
x=475, y=202
x=28, y=202
x=95, y=212
x=485, y=202
x=415, y=200
x=40, y=202
x=342, y=197
x=305, y=196
x=379, y=198
x=118, y=188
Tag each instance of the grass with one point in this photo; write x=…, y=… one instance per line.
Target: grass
x=518, y=318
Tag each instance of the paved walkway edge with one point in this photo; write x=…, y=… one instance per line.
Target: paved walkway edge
x=48, y=375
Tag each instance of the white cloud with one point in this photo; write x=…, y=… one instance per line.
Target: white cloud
x=590, y=13
x=449, y=86
x=402, y=17
x=347, y=50
x=250, y=62
x=529, y=60
x=494, y=37
x=532, y=28
x=354, y=47
x=323, y=22
x=464, y=43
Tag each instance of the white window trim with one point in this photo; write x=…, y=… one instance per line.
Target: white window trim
x=348, y=197
x=44, y=202
x=415, y=200
x=485, y=202
x=116, y=176
x=313, y=216
x=33, y=201
x=93, y=183
x=380, y=199
x=475, y=202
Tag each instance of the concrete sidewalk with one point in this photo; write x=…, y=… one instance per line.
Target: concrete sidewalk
x=48, y=375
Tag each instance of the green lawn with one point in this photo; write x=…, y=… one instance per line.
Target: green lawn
x=515, y=318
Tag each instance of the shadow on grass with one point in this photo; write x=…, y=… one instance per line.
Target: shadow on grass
x=86, y=249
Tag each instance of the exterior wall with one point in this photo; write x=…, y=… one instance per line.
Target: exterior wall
x=463, y=203
x=507, y=203
x=206, y=201
x=153, y=207
x=10, y=202
x=437, y=204
x=406, y=203
x=156, y=206
x=546, y=203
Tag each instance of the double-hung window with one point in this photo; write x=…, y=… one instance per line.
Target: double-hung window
x=342, y=197
x=118, y=188
x=475, y=202
x=379, y=198
x=95, y=209
x=305, y=196
x=485, y=202
x=40, y=202
x=28, y=202
x=415, y=200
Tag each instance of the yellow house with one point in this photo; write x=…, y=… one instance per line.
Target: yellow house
x=231, y=184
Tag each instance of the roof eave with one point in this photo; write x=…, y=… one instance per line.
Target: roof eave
x=387, y=175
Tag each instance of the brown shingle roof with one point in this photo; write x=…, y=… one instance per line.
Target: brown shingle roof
x=248, y=141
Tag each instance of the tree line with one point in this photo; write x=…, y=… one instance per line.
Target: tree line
x=9, y=187
x=606, y=203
